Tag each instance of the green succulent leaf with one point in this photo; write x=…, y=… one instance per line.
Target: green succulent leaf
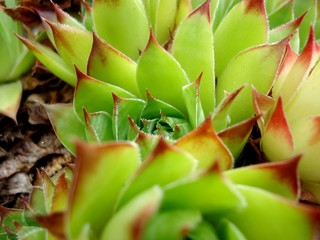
x=113, y=165
x=243, y=27
x=98, y=126
x=10, y=96
x=183, y=10
x=73, y=44
x=195, y=52
x=203, y=231
x=123, y=24
x=200, y=193
x=65, y=18
x=129, y=222
x=228, y=230
x=94, y=95
x=280, y=13
x=235, y=76
x=66, y=124
x=51, y=60
x=172, y=225
x=165, y=165
x=124, y=107
x=204, y=144
x=157, y=70
x=111, y=66
x=280, y=178
x=287, y=213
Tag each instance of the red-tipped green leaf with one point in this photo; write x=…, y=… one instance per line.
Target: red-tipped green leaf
x=156, y=71
x=111, y=66
x=205, y=145
x=200, y=46
x=183, y=10
x=123, y=24
x=243, y=27
x=107, y=166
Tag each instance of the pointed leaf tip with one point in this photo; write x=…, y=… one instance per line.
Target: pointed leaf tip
x=255, y=5
x=204, y=9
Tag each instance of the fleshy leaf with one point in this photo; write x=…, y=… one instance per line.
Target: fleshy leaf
x=113, y=165
x=191, y=94
x=10, y=96
x=306, y=135
x=221, y=115
x=51, y=60
x=277, y=140
x=300, y=70
x=60, y=195
x=243, y=27
x=129, y=222
x=201, y=193
x=124, y=107
x=305, y=102
x=172, y=225
x=280, y=178
x=155, y=170
x=98, y=126
x=66, y=124
x=64, y=18
x=107, y=64
x=228, y=230
x=157, y=70
x=287, y=214
x=183, y=10
x=200, y=46
x=281, y=14
x=235, y=137
x=123, y=24
x=73, y=44
x=94, y=95
x=235, y=76
x=205, y=145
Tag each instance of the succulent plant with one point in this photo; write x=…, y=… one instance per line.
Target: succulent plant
x=111, y=194
x=16, y=59
x=164, y=79
x=291, y=117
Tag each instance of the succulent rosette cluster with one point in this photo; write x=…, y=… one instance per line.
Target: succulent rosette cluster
x=113, y=193
x=15, y=59
x=200, y=59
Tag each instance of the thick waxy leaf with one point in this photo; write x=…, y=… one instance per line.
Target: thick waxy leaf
x=64, y=18
x=172, y=225
x=235, y=76
x=305, y=102
x=221, y=115
x=201, y=193
x=111, y=66
x=280, y=178
x=288, y=62
x=281, y=212
x=262, y=107
x=55, y=225
x=283, y=31
x=183, y=10
x=124, y=107
x=300, y=70
x=98, y=126
x=235, y=137
x=156, y=71
x=277, y=141
x=306, y=136
x=10, y=96
x=73, y=44
x=200, y=46
x=227, y=230
x=280, y=13
x=108, y=166
x=60, y=195
x=94, y=95
x=66, y=124
x=52, y=61
x=165, y=165
x=243, y=27
x=123, y=24
x=203, y=231
x=129, y=222
x=191, y=94
x=205, y=145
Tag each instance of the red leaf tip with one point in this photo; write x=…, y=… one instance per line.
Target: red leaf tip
x=203, y=9
x=255, y=6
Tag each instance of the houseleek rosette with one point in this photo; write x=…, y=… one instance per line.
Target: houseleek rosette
x=164, y=80
x=173, y=193
x=290, y=125
x=15, y=59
